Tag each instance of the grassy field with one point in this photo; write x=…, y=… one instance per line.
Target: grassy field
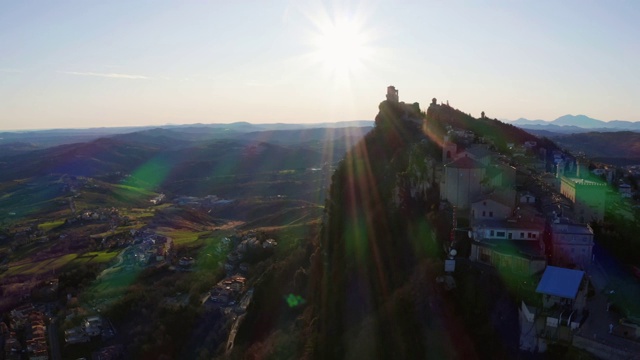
x=114, y=284
x=94, y=257
x=48, y=226
x=142, y=213
x=26, y=267
x=118, y=230
x=183, y=236
x=116, y=195
x=34, y=268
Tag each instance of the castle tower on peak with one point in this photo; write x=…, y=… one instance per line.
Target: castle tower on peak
x=392, y=94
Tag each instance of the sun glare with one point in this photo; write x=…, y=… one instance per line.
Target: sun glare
x=342, y=46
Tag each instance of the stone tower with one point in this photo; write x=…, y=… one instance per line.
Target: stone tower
x=392, y=94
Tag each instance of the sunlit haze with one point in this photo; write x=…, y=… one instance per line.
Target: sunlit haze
x=67, y=64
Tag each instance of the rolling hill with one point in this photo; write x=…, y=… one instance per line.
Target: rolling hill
x=601, y=145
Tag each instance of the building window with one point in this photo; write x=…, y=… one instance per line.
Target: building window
x=500, y=233
x=491, y=233
x=484, y=213
x=521, y=235
x=490, y=213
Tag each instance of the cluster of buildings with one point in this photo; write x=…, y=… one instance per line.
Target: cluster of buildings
x=248, y=250
x=509, y=231
x=158, y=199
x=245, y=250
x=26, y=334
x=149, y=248
x=527, y=225
x=226, y=292
x=506, y=223
x=91, y=327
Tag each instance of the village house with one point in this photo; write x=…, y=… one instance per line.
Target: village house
x=186, y=263
x=561, y=304
x=505, y=239
x=473, y=171
x=512, y=246
x=489, y=208
x=92, y=325
x=75, y=336
x=564, y=295
x=269, y=244
x=625, y=190
x=477, y=152
x=501, y=178
x=462, y=182
x=527, y=198
x=571, y=244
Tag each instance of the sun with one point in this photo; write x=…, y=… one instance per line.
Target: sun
x=342, y=46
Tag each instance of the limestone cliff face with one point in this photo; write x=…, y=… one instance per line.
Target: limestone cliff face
x=418, y=182
x=367, y=251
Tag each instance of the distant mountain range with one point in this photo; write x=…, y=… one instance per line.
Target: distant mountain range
x=193, y=151
x=16, y=142
x=572, y=124
x=614, y=142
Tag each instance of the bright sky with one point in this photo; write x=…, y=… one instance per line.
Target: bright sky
x=122, y=63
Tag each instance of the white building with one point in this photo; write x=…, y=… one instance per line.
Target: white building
x=462, y=182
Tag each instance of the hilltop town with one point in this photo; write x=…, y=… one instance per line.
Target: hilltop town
x=528, y=210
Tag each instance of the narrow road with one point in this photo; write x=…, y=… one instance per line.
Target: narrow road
x=54, y=343
x=246, y=299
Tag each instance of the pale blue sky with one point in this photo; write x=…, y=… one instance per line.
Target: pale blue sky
x=119, y=63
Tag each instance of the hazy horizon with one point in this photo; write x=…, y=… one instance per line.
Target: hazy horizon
x=70, y=64
x=249, y=122
x=185, y=124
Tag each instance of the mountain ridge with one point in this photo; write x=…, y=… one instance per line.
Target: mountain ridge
x=580, y=121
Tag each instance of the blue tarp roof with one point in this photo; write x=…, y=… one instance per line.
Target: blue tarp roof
x=560, y=282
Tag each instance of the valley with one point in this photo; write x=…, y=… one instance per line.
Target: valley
x=103, y=228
